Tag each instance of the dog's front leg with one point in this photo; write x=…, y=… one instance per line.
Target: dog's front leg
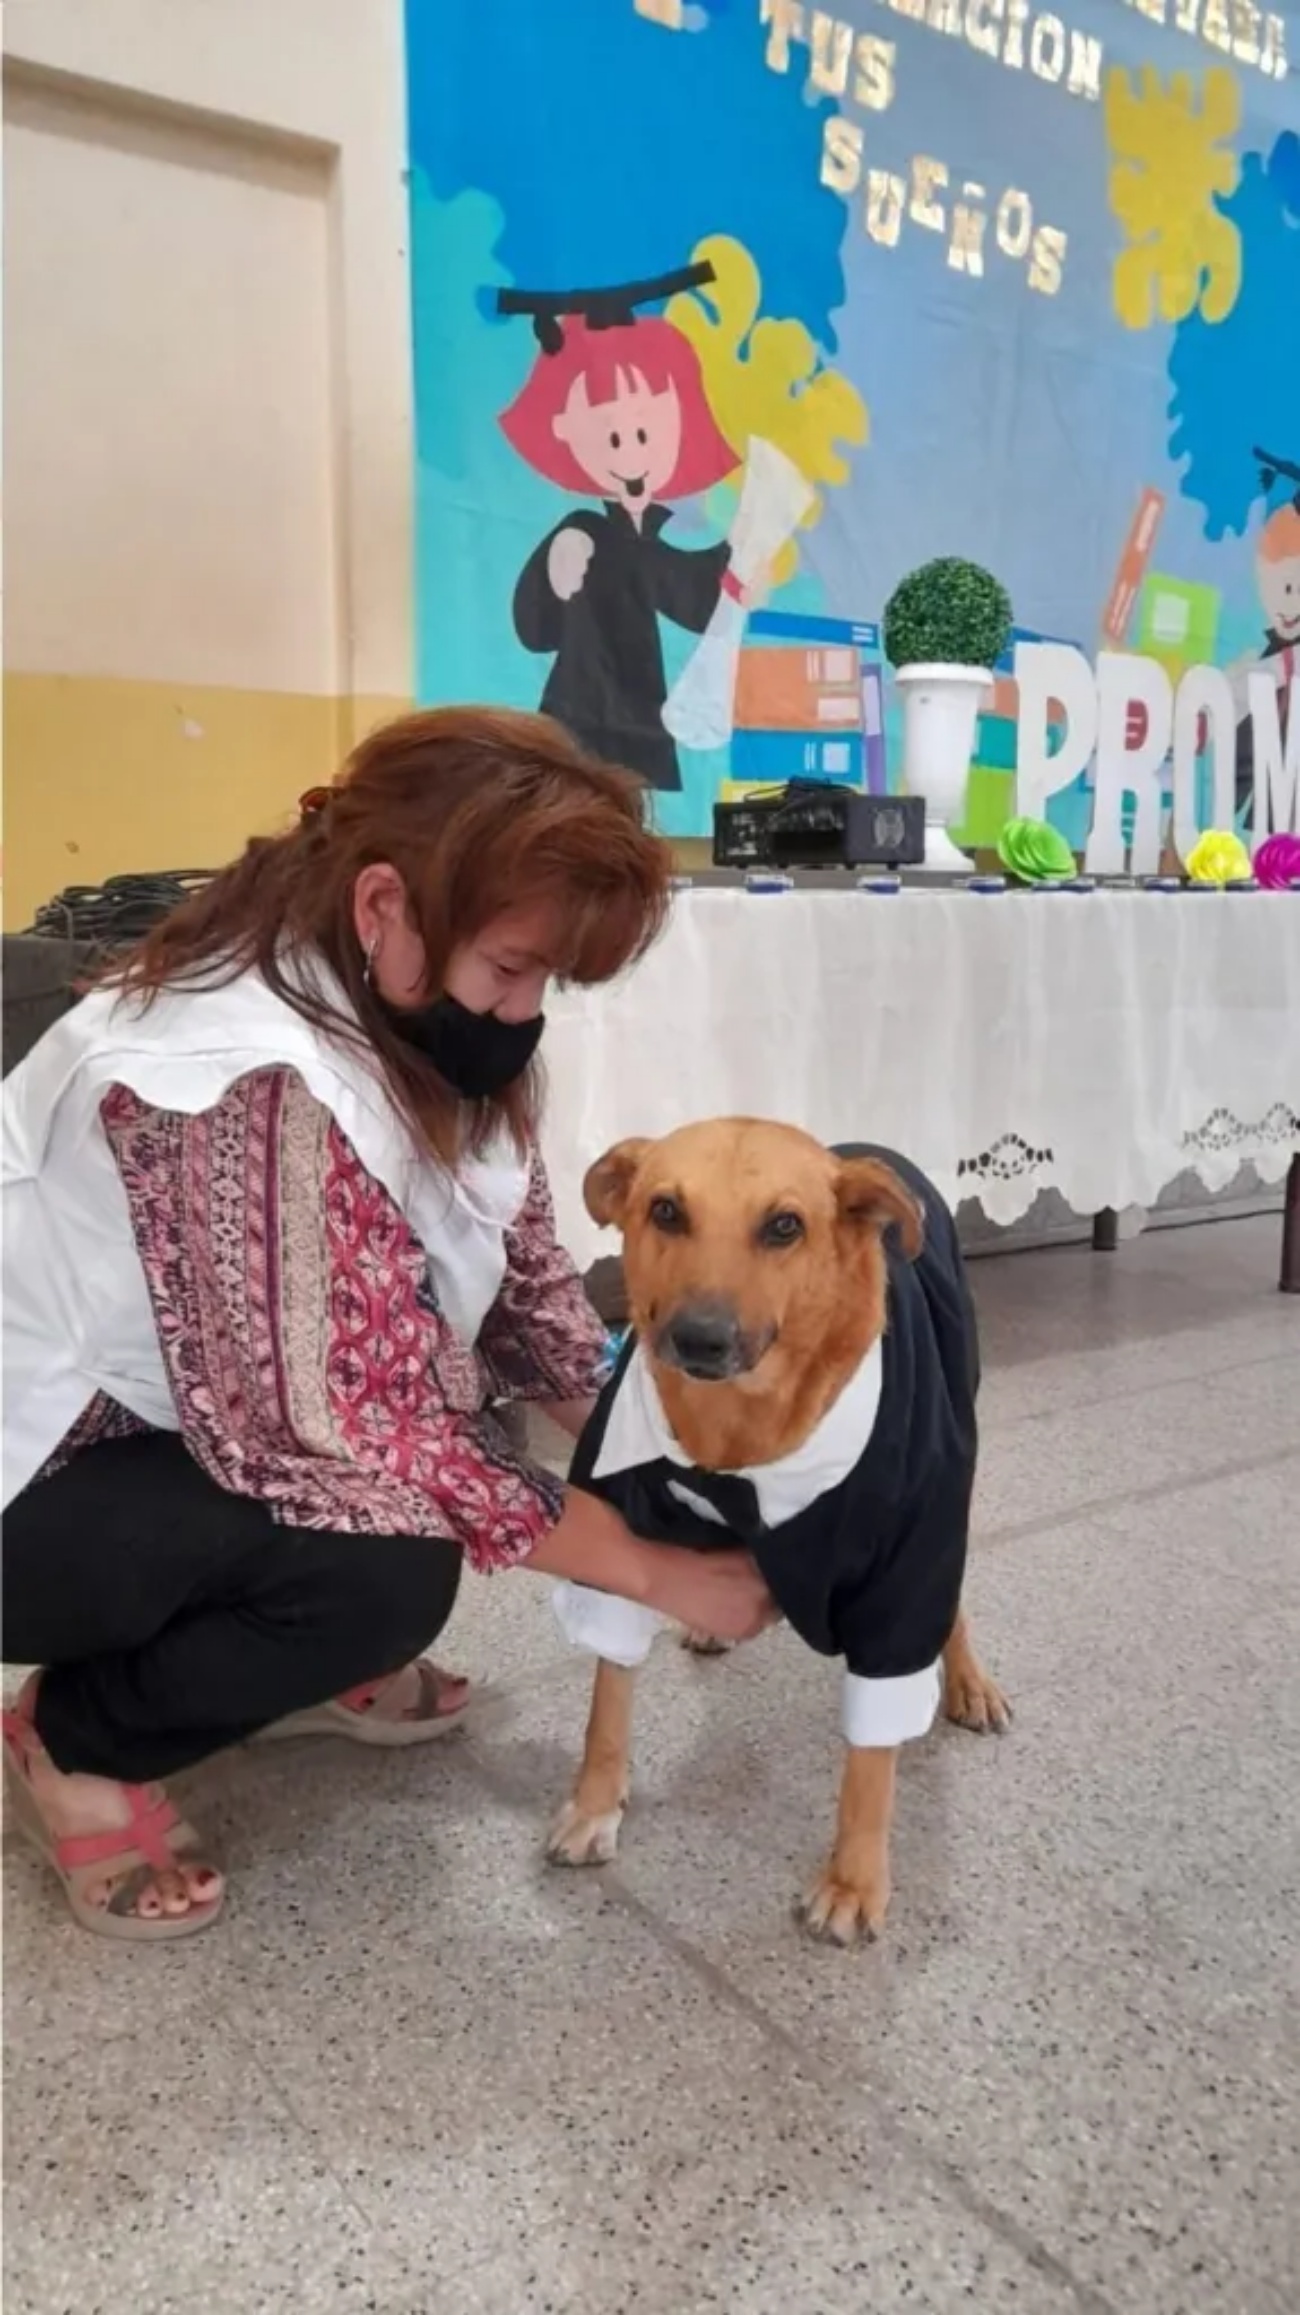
x=851, y=1898
x=587, y=1827
x=971, y=1697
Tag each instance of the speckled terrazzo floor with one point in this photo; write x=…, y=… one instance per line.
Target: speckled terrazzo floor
x=415, y=2070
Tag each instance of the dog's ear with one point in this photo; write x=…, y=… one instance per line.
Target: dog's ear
x=871, y=1196
x=605, y=1190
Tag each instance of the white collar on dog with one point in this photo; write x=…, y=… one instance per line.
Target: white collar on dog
x=638, y=1432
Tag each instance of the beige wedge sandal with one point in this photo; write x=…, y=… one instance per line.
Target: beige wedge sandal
x=353, y=1716
x=155, y=1840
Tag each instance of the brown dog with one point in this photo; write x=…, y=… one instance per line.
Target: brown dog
x=801, y=1381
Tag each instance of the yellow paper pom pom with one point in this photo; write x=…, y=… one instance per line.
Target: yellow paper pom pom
x=1218, y=857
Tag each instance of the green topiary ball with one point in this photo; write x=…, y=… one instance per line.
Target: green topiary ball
x=947, y=611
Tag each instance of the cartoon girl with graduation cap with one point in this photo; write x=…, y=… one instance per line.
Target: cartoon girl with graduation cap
x=614, y=407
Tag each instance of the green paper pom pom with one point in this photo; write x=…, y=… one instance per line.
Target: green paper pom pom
x=1035, y=851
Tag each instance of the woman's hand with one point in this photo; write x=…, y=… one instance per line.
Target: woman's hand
x=718, y=1592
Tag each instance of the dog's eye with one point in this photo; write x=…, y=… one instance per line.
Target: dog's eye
x=668, y=1216
x=780, y=1230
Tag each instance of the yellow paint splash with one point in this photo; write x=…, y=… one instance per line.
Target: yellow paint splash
x=766, y=377
x=1168, y=167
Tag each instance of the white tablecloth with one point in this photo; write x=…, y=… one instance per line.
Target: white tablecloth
x=1099, y=1044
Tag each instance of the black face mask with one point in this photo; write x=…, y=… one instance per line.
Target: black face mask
x=474, y=1053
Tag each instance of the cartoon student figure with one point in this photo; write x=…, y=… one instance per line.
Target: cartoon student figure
x=1277, y=573
x=614, y=408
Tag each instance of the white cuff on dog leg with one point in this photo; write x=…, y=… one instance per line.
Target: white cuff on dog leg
x=883, y=1713
x=619, y=1631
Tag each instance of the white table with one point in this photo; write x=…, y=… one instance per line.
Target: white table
x=1099, y=1044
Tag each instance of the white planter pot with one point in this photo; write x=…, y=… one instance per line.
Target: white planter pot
x=940, y=704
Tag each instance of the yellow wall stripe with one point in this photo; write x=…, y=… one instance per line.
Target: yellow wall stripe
x=105, y=776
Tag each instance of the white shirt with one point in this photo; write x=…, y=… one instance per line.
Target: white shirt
x=78, y=1319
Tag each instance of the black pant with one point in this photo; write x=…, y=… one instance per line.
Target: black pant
x=172, y=1619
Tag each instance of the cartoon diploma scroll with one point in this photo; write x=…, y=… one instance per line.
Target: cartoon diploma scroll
x=774, y=499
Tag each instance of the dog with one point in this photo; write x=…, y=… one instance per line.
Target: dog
x=800, y=1381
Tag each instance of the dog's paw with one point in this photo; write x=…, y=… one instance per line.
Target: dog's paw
x=842, y=1913
x=972, y=1700
x=579, y=1837
x=704, y=1644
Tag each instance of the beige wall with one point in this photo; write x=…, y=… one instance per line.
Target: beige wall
x=207, y=420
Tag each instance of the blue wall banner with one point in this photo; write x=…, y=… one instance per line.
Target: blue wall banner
x=729, y=313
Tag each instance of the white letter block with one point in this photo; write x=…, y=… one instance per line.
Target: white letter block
x=1277, y=775
x=1204, y=691
x=1124, y=680
x=1044, y=672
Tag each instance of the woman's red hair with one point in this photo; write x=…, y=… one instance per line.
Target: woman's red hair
x=480, y=811
x=605, y=360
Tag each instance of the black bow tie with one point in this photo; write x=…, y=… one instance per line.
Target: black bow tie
x=734, y=1499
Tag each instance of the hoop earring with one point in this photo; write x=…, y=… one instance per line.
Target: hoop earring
x=368, y=969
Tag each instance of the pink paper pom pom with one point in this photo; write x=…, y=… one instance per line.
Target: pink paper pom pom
x=1277, y=861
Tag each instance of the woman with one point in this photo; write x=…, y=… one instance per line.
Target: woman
x=276, y=1233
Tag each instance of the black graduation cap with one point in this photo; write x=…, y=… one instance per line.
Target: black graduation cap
x=1271, y=469
x=601, y=309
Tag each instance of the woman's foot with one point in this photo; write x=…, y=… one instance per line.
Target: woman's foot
x=412, y=1706
x=80, y=1813
x=420, y=1691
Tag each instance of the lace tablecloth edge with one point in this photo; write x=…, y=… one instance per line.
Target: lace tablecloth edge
x=1007, y=1177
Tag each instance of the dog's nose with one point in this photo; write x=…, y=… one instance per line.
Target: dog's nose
x=703, y=1340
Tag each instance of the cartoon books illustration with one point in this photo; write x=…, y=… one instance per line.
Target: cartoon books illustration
x=808, y=703
x=1131, y=569
x=1178, y=622
x=771, y=757
x=798, y=690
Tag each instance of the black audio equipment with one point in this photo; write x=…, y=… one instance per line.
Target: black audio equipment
x=813, y=824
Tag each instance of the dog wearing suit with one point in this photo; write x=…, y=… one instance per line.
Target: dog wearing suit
x=800, y=1382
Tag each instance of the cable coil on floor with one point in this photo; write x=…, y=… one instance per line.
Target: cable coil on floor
x=119, y=912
